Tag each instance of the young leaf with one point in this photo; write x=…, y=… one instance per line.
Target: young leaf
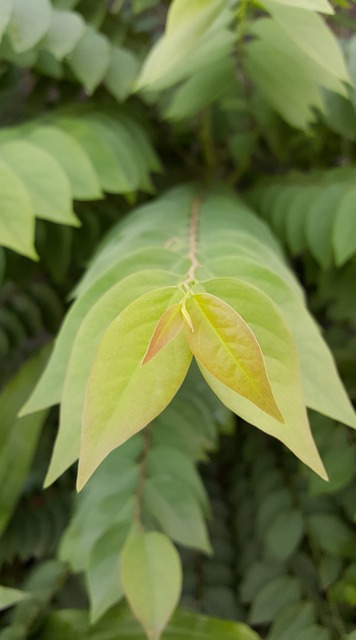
x=225, y=345
x=168, y=327
x=112, y=412
x=151, y=576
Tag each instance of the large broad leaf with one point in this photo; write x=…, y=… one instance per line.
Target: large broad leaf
x=29, y=22
x=17, y=221
x=282, y=367
x=224, y=344
x=112, y=412
x=151, y=576
x=323, y=6
x=107, y=308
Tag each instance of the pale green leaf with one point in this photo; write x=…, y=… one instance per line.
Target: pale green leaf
x=344, y=236
x=323, y=6
x=5, y=13
x=47, y=184
x=17, y=220
x=225, y=345
x=64, y=32
x=103, y=577
x=282, y=367
x=122, y=72
x=89, y=60
x=112, y=413
x=107, y=308
x=311, y=33
x=151, y=577
x=9, y=597
x=319, y=223
x=73, y=160
x=189, y=26
x=176, y=510
x=30, y=19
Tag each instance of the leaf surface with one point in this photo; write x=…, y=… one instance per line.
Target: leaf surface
x=29, y=22
x=17, y=222
x=167, y=328
x=151, y=576
x=112, y=413
x=224, y=344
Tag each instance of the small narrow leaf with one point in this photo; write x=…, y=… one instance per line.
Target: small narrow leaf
x=224, y=344
x=168, y=327
x=151, y=576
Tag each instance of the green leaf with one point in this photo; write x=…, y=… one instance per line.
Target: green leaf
x=17, y=221
x=167, y=329
x=176, y=511
x=282, y=367
x=323, y=6
x=30, y=19
x=189, y=26
x=320, y=221
x=89, y=60
x=73, y=160
x=224, y=344
x=122, y=72
x=283, y=536
x=9, y=597
x=333, y=535
x=45, y=181
x=272, y=598
x=112, y=413
x=343, y=238
x=64, y=32
x=292, y=620
x=104, y=584
x=5, y=14
x=67, y=446
x=309, y=31
x=151, y=577
x=18, y=436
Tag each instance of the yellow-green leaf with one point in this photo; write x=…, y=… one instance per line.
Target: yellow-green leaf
x=168, y=327
x=151, y=576
x=122, y=396
x=225, y=345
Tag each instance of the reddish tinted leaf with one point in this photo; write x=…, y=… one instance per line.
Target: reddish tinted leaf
x=168, y=327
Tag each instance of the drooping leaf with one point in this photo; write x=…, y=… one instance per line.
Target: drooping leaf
x=273, y=597
x=5, y=13
x=151, y=577
x=224, y=344
x=344, y=237
x=112, y=413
